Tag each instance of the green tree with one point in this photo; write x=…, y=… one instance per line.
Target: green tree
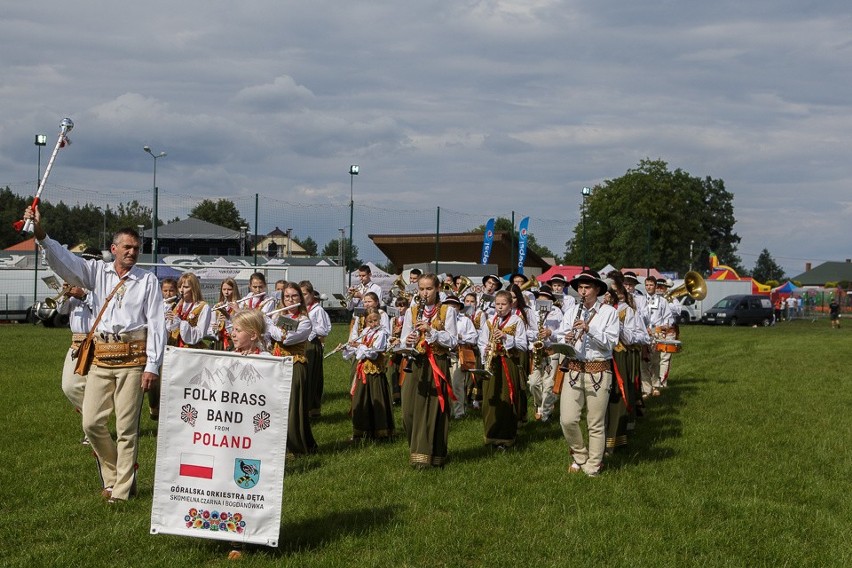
x=220, y=212
x=654, y=216
x=765, y=268
x=504, y=224
x=331, y=250
x=308, y=244
x=11, y=210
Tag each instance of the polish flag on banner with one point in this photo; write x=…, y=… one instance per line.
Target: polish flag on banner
x=196, y=465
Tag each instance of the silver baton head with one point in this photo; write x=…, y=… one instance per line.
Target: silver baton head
x=67, y=124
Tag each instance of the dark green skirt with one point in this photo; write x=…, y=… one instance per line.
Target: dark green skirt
x=426, y=425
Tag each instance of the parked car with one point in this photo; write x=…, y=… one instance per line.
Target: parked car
x=741, y=309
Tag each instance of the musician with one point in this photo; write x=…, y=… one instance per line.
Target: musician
x=544, y=363
x=490, y=285
x=530, y=319
x=430, y=329
x=369, y=300
x=478, y=318
x=356, y=293
x=293, y=343
x=467, y=340
x=622, y=398
x=133, y=322
x=501, y=342
x=188, y=321
x=222, y=324
x=562, y=300
x=413, y=275
x=657, y=315
x=591, y=328
x=169, y=289
x=371, y=411
x=670, y=330
x=78, y=307
x=259, y=299
x=320, y=328
x=520, y=280
x=396, y=359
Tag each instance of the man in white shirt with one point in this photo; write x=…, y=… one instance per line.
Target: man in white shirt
x=356, y=293
x=592, y=329
x=130, y=342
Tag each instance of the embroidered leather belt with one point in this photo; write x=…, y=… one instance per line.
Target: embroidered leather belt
x=116, y=350
x=77, y=339
x=589, y=366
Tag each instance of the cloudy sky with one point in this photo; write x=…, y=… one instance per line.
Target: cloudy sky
x=480, y=107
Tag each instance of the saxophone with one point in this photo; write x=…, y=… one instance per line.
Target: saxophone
x=538, y=344
x=494, y=345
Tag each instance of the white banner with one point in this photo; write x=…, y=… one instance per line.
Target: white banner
x=221, y=445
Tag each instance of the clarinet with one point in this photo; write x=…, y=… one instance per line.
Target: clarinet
x=420, y=310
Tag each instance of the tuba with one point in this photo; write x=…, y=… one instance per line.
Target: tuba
x=531, y=283
x=693, y=286
x=464, y=285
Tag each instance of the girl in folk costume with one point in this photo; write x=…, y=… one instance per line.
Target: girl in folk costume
x=368, y=300
x=429, y=329
x=259, y=300
x=249, y=332
x=221, y=322
x=320, y=328
x=290, y=340
x=622, y=395
x=396, y=360
x=500, y=343
x=187, y=323
x=371, y=412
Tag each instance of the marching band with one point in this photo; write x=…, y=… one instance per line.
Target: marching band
x=449, y=347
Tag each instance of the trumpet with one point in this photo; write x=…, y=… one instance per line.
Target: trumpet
x=59, y=299
x=350, y=295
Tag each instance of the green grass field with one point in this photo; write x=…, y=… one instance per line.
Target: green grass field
x=744, y=461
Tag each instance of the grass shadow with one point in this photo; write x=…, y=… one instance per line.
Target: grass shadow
x=315, y=533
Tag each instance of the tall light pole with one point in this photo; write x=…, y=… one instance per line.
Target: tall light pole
x=40, y=140
x=154, y=219
x=353, y=171
x=587, y=191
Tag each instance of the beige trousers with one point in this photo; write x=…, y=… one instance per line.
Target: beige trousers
x=116, y=391
x=73, y=385
x=457, y=381
x=578, y=392
x=541, y=385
